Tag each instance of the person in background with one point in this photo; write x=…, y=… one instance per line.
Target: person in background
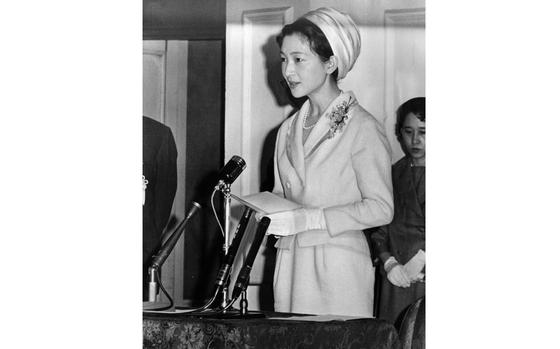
x=332, y=158
x=401, y=245
x=159, y=177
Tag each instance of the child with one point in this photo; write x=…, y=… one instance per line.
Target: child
x=400, y=245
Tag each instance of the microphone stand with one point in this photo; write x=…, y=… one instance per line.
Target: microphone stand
x=224, y=273
x=225, y=301
x=243, y=278
x=152, y=286
x=165, y=251
x=226, y=191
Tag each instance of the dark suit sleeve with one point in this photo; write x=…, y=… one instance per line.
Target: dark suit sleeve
x=380, y=239
x=166, y=185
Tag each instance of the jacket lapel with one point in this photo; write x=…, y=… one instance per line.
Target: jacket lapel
x=320, y=132
x=294, y=145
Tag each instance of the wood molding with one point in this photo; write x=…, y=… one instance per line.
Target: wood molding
x=406, y=17
x=158, y=50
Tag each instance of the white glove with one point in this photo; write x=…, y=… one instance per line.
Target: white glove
x=415, y=265
x=292, y=222
x=396, y=273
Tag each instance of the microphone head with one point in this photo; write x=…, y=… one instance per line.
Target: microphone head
x=229, y=173
x=194, y=208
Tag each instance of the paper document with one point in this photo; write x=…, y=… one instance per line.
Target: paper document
x=267, y=203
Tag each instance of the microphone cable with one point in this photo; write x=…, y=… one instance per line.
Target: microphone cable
x=217, y=289
x=204, y=307
x=229, y=305
x=172, y=303
x=160, y=284
x=215, y=214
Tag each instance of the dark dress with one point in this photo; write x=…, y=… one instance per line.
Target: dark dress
x=159, y=167
x=402, y=238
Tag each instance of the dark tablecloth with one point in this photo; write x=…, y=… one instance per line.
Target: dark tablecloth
x=195, y=332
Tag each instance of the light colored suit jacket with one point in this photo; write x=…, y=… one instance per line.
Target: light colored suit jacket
x=348, y=175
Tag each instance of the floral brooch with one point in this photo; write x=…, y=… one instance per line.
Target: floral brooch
x=339, y=116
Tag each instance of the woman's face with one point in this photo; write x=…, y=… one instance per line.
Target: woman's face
x=301, y=67
x=413, y=133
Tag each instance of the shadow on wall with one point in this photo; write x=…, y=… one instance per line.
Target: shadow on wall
x=283, y=97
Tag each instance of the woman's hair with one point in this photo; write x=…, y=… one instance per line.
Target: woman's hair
x=315, y=37
x=416, y=106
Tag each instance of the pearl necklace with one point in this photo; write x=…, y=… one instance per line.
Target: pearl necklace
x=305, y=121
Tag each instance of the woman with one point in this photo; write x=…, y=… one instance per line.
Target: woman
x=332, y=158
x=400, y=245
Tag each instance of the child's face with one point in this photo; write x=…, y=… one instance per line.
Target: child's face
x=413, y=133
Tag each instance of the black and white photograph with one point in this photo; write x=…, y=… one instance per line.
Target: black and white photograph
x=320, y=105
x=286, y=197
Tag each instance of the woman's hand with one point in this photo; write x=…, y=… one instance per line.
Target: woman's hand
x=288, y=223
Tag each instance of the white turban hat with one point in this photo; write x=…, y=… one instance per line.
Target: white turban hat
x=342, y=34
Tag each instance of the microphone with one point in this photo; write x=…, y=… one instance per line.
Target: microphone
x=169, y=244
x=164, y=252
x=223, y=274
x=243, y=277
x=229, y=173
